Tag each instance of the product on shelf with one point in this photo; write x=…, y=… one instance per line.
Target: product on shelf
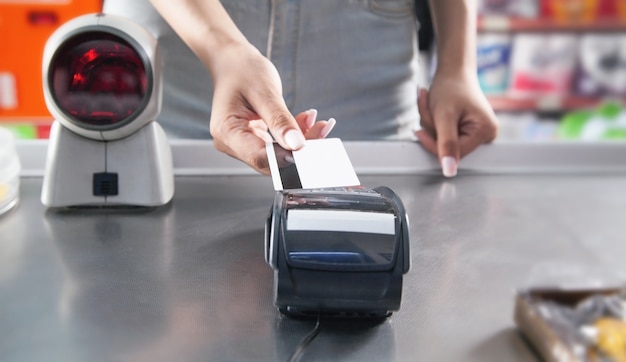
x=602, y=65
x=8, y=97
x=526, y=127
x=620, y=10
x=514, y=8
x=28, y=130
x=608, y=122
x=562, y=56
x=543, y=64
x=514, y=127
x=582, y=11
x=493, y=57
x=572, y=10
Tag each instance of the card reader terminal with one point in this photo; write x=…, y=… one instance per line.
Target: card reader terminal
x=338, y=251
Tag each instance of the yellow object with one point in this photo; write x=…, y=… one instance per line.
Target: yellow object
x=582, y=11
x=611, y=339
x=621, y=9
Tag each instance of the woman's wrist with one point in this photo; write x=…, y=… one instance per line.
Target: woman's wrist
x=221, y=53
x=220, y=60
x=460, y=71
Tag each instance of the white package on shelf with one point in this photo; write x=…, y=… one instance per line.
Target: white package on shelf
x=602, y=65
x=543, y=64
x=493, y=58
x=518, y=8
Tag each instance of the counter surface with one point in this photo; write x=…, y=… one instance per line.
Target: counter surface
x=188, y=281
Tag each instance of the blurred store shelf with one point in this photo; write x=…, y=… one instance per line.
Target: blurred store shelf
x=503, y=103
x=495, y=23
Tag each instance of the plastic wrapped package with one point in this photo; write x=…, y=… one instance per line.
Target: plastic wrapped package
x=586, y=325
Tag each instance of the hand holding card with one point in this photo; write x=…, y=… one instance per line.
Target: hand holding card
x=320, y=163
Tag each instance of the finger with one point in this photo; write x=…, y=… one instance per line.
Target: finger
x=306, y=119
x=467, y=145
x=255, y=157
x=259, y=128
x=236, y=138
x=321, y=129
x=427, y=141
x=281, y=123
x=471, y=136
x=426, y=119
x=437, y=137
x=446, y=126
x=284, y=157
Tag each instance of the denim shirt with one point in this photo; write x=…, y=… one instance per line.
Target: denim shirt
x=354, y=60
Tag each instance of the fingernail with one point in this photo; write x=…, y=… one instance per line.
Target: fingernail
x=448, y=166
x=311, y=117
x=328, y=127
x=294, y=139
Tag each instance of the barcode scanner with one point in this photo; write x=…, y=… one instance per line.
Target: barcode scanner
x=102, y=84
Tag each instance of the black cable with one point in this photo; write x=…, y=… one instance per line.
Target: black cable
x=295, y=356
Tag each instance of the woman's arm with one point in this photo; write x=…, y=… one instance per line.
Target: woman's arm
x=455, y=115
x=247, y=98
x=454, y=22
x=204, y=26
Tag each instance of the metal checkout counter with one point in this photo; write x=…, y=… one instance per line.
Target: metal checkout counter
x=188, y=281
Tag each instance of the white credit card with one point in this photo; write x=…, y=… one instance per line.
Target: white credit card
x=320, y=163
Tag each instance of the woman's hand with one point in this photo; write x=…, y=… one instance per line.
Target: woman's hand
x=248, y=102
x=455, y=117
x=247, y=99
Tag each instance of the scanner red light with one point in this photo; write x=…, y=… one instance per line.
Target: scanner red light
x=98, y=79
